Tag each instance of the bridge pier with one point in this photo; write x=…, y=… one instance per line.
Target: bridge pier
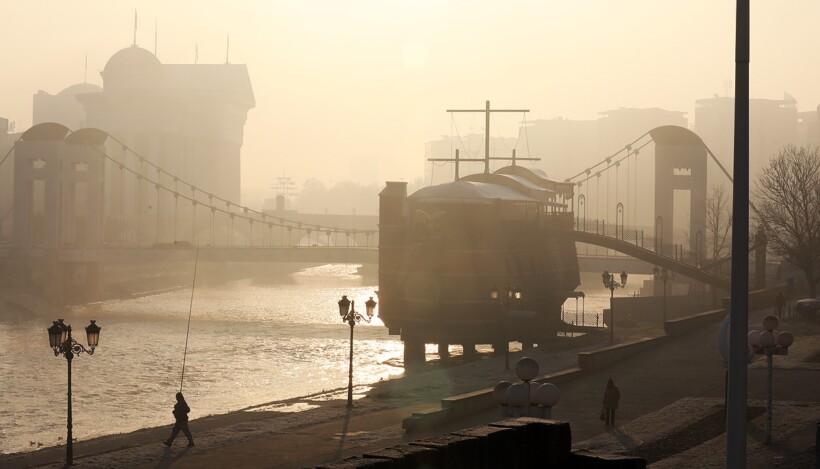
x=500, y=347
x=443, y=350
x=469, y=352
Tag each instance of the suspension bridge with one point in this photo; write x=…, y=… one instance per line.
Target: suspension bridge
x=84, y=197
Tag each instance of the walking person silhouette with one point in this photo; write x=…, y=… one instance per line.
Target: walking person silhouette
x=611, y=397
x=779, y=304
x=180, y=412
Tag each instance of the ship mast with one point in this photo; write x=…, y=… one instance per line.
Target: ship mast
x=486, y=158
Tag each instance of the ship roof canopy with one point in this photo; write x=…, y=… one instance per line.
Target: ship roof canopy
x=469, y=192
x=538, y=177
x=515, y=182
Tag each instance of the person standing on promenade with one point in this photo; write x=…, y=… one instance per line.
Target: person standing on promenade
x=779, y=304
x=180, y=412
x=611, y=397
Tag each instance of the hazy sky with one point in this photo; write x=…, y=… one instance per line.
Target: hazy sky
x=337, y=81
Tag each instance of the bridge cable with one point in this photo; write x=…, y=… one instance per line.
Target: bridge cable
x=188, y=332
x=7, y=214
x=588, y=171
x=609, y=157
x=161, y=170
x=10, y=150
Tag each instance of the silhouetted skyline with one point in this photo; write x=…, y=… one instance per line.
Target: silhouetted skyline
x=341, y=85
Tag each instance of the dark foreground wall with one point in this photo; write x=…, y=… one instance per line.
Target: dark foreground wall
x=519, y=443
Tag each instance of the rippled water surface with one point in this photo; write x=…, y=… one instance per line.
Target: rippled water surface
x=250, y=343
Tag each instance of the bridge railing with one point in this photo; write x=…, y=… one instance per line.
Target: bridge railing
x=638, y=237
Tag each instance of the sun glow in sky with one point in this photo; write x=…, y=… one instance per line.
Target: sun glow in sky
x=342, y=83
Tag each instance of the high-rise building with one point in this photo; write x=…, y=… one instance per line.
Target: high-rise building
x=186, y=118
x=772, y=125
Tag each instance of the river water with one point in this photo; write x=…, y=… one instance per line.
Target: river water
x=250, y=343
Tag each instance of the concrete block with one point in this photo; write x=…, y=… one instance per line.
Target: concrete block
x=410, y=457
x=424, y=419
x=499, y=447
x=470, y=402
x=458, y=452
x=683, y=325
x=543, y=440
x=594, y=360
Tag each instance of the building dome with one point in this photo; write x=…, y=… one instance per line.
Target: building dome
x=132, y=60
x=79, y=88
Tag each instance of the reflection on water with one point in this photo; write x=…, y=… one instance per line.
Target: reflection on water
x=250, y=343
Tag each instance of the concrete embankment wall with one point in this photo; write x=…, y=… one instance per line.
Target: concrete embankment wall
x=455, y=407
x=517, y=443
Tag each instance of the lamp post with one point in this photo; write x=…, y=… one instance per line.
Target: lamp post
x=770, y=342
x=612, y=284
x=663, y=274
x=505, y=298
x=347, y=310
x=59, y=337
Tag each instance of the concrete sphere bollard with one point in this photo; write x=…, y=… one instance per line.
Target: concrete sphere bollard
x=500, y=392
x=767, y=339
x=770, y=323
x=547, y=395
x=516, y=395
x=533, y=390
x=754, y=337
x=526, y=369
x=785, y=339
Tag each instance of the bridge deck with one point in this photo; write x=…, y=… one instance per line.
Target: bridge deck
x=340, y=255
x=643, y=254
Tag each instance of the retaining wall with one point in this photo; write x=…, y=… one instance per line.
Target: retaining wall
x=519, y=443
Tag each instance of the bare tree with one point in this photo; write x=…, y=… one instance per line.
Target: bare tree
x=718, y=221
x=788, y=194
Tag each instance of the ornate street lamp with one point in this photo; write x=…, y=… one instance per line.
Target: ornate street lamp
x=505, y=298
x=610, y=283
x=347, y=310
x=663, y=274
x=61, y=342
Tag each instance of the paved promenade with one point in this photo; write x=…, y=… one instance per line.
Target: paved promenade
x=664, y=392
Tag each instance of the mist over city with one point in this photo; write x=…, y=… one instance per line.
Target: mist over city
x=409, y=234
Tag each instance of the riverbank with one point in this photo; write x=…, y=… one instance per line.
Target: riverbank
x=658, y=388
x=397, y=397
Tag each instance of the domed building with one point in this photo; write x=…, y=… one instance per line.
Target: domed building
x=63, y=108
x=186, y=118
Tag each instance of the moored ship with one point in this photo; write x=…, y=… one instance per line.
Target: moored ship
x=444, y=248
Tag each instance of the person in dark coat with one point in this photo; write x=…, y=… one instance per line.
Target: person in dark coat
x=779, y=303
x=611, y=397
x=180, y=412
